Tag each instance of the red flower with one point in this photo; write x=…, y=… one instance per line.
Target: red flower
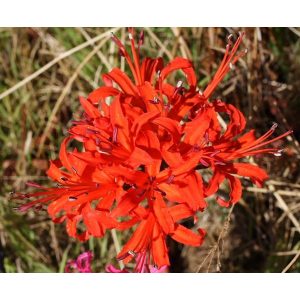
x=144, y=143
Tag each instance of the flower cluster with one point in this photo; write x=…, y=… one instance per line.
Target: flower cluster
x=145, y=143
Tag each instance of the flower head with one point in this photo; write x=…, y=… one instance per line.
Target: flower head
x=145, y=142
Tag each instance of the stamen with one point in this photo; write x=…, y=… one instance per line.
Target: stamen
x=63, y=178
x=71, y=198
x=101, y=149
x=215, y=153
x=200, y=92
x=92, y=131
x=206, y=137
x=130, y=36
x=204, y=163
x=231, y=66
x=73, y=168
x=33, y=184
x=121, y=47
x=141, y=39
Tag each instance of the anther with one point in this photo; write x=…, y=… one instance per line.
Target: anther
x=230, y=36
x=71, y=198
x=155, y=100
x=231, y=66
x=278, y=153
x=102, y=151
x=132, y=253
x=220, y=163
x=200, y=92
x=130, y=36
x=274, y=126
x=168, y=107
x=179, y=84
x=63, y=178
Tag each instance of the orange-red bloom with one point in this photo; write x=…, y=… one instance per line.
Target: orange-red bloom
x=144, y=144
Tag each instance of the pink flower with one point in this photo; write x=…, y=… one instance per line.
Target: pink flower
x=142, y=266
x=82, y=264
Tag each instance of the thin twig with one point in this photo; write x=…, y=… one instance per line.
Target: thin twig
x=218, y=246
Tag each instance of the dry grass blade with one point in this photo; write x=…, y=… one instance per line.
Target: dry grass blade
x=99, y=53
x=285, y=208
x=184, y=49
x=291, y=263
x=64, y=93
x=117, y=246
x=159, y=43
x=294, y=30
x=56, y=60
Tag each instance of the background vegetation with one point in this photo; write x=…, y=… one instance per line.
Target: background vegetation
x=44, y=70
